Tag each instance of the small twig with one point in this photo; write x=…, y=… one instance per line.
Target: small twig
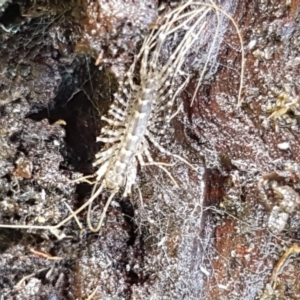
x=92, y=294
x=294, y=249
x=18, y=285
x=45, y=255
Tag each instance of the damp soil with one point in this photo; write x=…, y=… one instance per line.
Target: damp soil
x=209, y=238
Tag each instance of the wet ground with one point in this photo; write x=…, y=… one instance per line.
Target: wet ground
x=222, y=233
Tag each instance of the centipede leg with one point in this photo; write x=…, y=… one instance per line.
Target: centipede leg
x=102, y=215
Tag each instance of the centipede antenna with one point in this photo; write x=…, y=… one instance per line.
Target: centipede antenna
x=217, y=8
x=181, y=50
x=209, y=55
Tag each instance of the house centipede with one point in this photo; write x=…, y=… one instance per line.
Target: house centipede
x=130, y=124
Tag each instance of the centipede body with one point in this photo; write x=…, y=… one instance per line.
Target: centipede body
x=146, y=97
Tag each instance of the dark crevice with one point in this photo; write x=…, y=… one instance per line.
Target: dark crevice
x=11, y=15
x=74, y=107
x=133, y=278
x=215, y=190
x=128, y=212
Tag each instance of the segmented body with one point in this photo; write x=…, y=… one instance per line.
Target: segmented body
x=124, y=138
x=124, y=143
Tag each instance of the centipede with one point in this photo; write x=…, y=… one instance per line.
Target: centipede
x=146, y=97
